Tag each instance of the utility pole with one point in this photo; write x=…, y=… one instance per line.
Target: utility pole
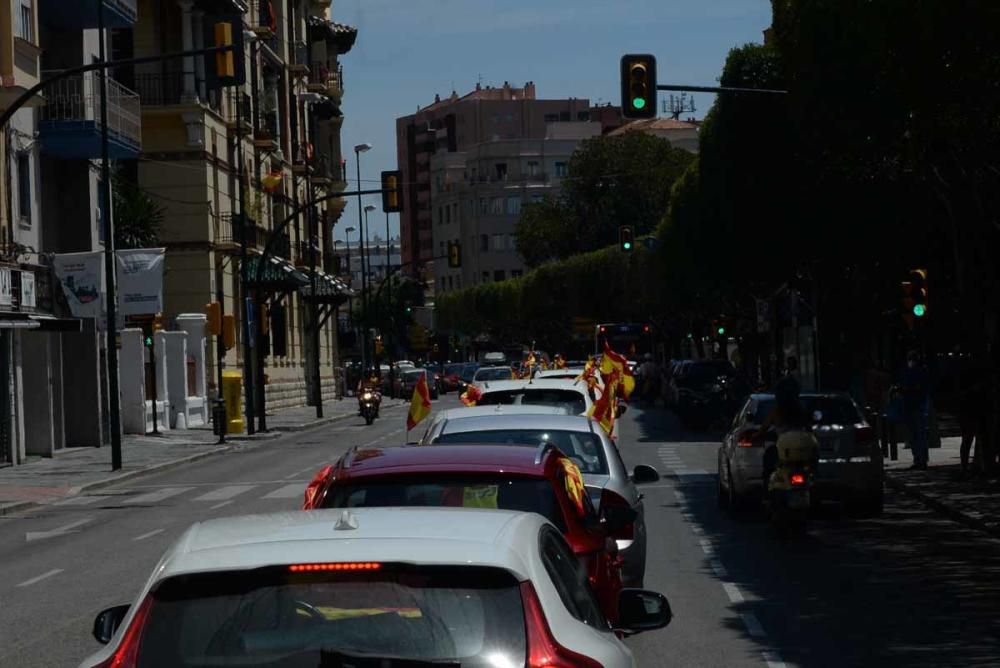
x=110, y=262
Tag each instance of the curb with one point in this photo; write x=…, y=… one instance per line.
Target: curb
x=943, y=508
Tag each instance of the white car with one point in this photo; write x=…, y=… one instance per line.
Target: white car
x=437, y=417
x=571, y=395
x=372, y=586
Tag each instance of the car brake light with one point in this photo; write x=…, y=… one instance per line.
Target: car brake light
x=746, y=440
x=348, y=566
x=312, y=491
x=864, y=433
x=544, y=651
x=127, y=654
x=798, y=479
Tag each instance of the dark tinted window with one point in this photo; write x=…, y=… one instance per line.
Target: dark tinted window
x=271, y=617
x=494, y=373
x=585, y=449
x=703, y=372
x=489, y=491
x=571, y=400
x=453, y=369
x=835, y=410
x=570, y=580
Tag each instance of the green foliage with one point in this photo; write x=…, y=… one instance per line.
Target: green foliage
x=611, y=180
x=138, y=218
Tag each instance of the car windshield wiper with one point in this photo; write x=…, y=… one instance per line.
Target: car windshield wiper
x=331, y=658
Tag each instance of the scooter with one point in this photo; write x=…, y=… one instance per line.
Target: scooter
x=791, y=462
x=369, y=405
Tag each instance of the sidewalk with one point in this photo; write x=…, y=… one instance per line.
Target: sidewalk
x=974, y=502
x=74, y=470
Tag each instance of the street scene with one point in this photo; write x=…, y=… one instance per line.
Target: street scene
x=363, y=333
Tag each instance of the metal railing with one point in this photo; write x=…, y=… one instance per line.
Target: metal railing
x=234, y=99
x=306, y=251
x=159, y=89
x=230, y=231
x=262, y=14
x=129, y=8
x=78, y=98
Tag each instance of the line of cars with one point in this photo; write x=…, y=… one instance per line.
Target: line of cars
x=511, y=534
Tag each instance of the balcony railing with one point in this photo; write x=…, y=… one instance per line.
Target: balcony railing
x=231, y=228
x=78, y=100
x=238, y=104
x=160, y=89
x=306, y=252
x=263, y=19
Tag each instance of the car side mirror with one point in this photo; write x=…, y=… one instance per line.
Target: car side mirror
x=616, y=518
x=622, y=409
x=644, y=473
x=107, y=622
x=642, y=610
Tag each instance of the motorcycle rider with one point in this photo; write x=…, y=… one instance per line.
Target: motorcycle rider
x=790, y=421
x=369, y=383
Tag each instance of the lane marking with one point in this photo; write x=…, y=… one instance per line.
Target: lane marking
x=286, y=492
x=157, y=496
x=645, y=487
x=149, y=534
x=681, y=496
x=719, y=570
x=220, y=505
x=61, y=531
x=692, y=472
x=39, y=578
x=223, y=493
x=298, y=473
x=772, y=659
x=80, y=501
x=706, y=546
x=697, y=529
x=753, y=625
x=733, y=592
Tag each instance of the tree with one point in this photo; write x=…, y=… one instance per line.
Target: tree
x=138, y=218
x=612, y=180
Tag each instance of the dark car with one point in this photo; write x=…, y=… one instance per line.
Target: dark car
x=408, y=380
x=451, y=377
x=706, y=390
x=469, y=372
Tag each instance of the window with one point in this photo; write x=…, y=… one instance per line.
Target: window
x=496, y=207
x=512, y=241
x=440, y=216
x=551, y=118
x=561, y=169
x=486, y=277
x=442, y=284
x=564, y=116
x=24, y=187
x=501, y=168
x=498, y=275
x=537, y=197
x=484, y=243
x=484, y=205
x=583, y=115
x=513, y=205
x=569, y=580
x=499, y=242
x=451, y=282
x=26, y=21
x=454, y=212
x=532, y=168
x=458, y=282
x=441, y=248
x=447, y=215
x=516, y=273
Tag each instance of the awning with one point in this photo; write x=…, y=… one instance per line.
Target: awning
x=329, y=289
x=340, y=34
x=39, y=322
x=275, y=273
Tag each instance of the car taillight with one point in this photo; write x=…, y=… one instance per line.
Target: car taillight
x=339, y=566
x=864, y=433
x=314, y=488
x=610, y=498
x=798, y=479
x=127, y=654
x=544, y=651
x=746, y=439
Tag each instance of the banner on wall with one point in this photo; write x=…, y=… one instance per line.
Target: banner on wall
x=82, y=278
x=140, y=281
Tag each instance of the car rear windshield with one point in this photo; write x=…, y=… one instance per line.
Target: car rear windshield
x=454, y=615
x=570, y=400
x=413, y=376
x=832, y=410
x=494, y=373
x=453, y=369
x=585, y=449
x=529, y=495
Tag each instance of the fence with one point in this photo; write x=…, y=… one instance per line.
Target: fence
x=78, y=98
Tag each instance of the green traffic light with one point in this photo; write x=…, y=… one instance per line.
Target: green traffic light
x=919, y=310
x=638, y=103
x=627, y=245
x=149, y=340
x=722, y=330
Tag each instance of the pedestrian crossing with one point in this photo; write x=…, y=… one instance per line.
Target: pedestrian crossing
x=669, y=454
x=203, y=495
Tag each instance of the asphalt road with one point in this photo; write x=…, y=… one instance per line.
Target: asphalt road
x=906, y=589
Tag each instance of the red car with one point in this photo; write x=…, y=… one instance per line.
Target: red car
x=451, y=377
x=541, y=480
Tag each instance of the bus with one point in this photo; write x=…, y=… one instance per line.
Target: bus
x=631, y=339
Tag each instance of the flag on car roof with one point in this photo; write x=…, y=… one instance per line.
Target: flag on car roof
x=603, y=410
x=472, y=395
x=612, y=362
x=420, y=404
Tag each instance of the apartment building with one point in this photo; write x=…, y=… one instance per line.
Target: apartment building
x=237, y=163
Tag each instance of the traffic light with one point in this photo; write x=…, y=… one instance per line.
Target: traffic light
x=626, y=238
x=230, y=69
x=392, y=191
x=638, y=79
x=914, y=296
x=454, y=254
x=213, y=312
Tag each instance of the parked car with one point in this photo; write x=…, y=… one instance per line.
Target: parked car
x=494, y=359
x=484, y=373
x=607, y=479
x=451, y=377
x=573, y=396
x=850, y=464
x=539, y=480
x=371, y=586
x=408, y=379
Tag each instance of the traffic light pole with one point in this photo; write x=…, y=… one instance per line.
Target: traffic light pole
x=675, y=88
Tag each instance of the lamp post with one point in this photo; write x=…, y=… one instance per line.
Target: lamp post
x=358, y=150
x=367, y=263
x=350, y=274
x=314, y=246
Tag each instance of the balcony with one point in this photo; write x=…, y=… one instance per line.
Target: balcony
x=70, y=126
x=306, y=255
x=266, y=137
x=238, y=105
x=229, y=234
x=263, y=19
x=300, y=59
x=82, y=14
x=161, y=89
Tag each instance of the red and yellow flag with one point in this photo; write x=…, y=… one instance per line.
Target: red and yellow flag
x=420, y=404
x=613, y=362
x=471, y=396
x=603, y=409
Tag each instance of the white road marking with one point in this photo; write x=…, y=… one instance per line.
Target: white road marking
x=157, y=496
x=717, y=567
x=220, y=505
x=287, y=492
x=753, y=625
x=772, y=659
x=223, y=493
x=697, y=529
x=39, y=578
x=79, y=501
x=643, y=488
x=308, y=469
x=706, y=546
x=149, y=534
x=692, y=472
x=680, y=495
x=733, y=592
x=61, y=531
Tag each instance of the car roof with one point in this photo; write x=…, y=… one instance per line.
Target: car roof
x=459, y=423
x=406, y=460
x=498, y=409
x=424, y=535
x=769, y=396
x=540, y=383
x=576, y=371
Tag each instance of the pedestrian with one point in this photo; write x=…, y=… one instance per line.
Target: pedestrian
x=915, y=392
x=972, y=409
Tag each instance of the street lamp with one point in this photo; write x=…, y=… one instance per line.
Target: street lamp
x=358, y=150
x=350, y=274
x=367, y=263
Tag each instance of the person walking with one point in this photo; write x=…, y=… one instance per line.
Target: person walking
x=915, y=392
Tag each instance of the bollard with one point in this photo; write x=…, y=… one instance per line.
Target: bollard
x=219, y=421
x=232, y=394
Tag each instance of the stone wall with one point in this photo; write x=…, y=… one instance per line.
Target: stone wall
x=292, y=394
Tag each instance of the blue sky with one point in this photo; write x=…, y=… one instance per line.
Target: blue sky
x=408, y=50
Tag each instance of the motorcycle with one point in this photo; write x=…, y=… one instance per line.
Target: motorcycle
x=789, y=467
x=369, y=403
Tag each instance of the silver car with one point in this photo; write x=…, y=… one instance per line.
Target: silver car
x=850, y=464
x=583, y=441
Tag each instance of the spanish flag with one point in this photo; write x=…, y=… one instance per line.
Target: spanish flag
x=420, y=404
x=603, y=409
x=471, y=396
x=272, y=180
x=612, y=362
